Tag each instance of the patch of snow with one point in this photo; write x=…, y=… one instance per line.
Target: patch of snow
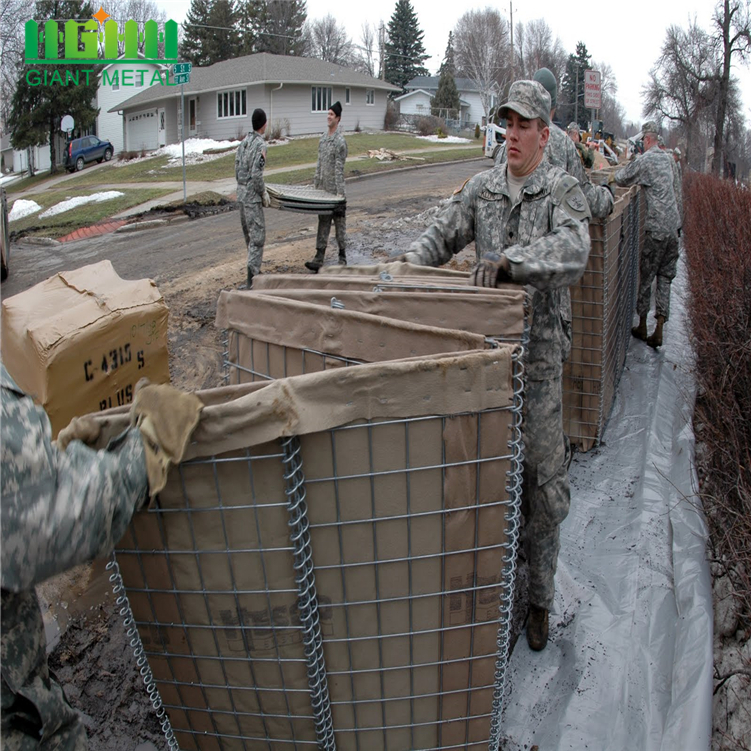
x=448, y=139
x=72, y=203
x=9, y=178
x=22, y=208
x=195, y=146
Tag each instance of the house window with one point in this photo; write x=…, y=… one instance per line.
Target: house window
x=231, y=103
x=321, y=98
x=347, y=96
x=370, y=96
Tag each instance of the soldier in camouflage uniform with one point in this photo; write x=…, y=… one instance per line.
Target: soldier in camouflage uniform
x=332, y=154
x=561, y=152
x=530, y=224
x=653, y=170
x=251, y=191
x=62, y=504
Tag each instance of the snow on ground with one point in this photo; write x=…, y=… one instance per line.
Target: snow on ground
x=72, y=203
x=447, y=139
x=12, y=177
x=22, y=208
x=195, y=149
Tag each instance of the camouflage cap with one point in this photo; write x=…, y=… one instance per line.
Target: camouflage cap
x=660, y=141
x=528, y=99
x=649, y=127
x=547, y=79
x=677, y=151
x=573, y=127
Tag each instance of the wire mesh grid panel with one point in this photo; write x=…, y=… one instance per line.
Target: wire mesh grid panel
x=601, y=303
x=350, y=588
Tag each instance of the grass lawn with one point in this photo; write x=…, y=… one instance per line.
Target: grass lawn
x=298, y=151
x=63, y=224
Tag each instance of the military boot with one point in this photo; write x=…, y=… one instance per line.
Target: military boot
x=655, y=340
x=317, y=262
x=250, y=277
x=342, y=258
x=537, y=628
x=640, y=331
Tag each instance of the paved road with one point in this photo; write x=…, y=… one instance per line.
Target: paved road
x=166, y=253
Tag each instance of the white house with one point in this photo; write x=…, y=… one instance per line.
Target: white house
x=469, y=97
x=416, y=103
x=117, y=83
x=220, y=99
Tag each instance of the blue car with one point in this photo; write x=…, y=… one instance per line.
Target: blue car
x=80, y=151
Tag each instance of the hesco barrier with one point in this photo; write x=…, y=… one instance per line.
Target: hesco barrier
x=602, y=302
x=335, y=572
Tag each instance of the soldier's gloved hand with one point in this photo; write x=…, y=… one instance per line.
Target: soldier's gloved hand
x=166, y=418
x=492, y=270
x=266, y=199
x=408, y=257
x=85, y=429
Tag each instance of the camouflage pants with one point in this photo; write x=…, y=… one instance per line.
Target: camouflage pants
x=324, y=228
x=546, y=495
x=659, y=258
x=35, y=713
x=254, y=229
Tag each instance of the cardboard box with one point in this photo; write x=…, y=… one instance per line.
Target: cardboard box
x=79, y=341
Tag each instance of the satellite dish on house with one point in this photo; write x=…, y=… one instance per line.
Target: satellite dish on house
x=67, y=124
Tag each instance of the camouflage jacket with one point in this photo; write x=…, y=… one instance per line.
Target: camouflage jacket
x=58, y=509
x=561, y=152
x=249, y=163
x=332, y=154
x=653, y=172
x=544, y=235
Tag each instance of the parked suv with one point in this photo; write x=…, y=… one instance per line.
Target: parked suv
x=79, y=151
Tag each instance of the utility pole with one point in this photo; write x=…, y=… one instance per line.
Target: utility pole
x=382, y=42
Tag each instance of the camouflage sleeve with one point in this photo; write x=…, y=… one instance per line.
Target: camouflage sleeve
x=341, y=158
x=241, y=174
x=678, y=190
x=256, y=171
x=630, y=174
x=60, y=509
x=450, y=233
x=599, y=198
x=558, y=258
x=500, y=157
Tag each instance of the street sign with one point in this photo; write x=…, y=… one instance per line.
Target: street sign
x=182, y=78
x=592, y=89
x=178, y=68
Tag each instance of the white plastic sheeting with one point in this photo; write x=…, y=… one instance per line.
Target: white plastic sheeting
x=629, y=662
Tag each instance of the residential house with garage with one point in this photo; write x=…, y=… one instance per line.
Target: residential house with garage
x=295, y=92
x=119, y=82
x=415, y=102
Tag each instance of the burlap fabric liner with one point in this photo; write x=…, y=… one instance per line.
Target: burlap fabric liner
x=494, y=315
x=281, y=322
x=222, y=600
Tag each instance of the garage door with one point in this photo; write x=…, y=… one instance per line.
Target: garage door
x=141, y=131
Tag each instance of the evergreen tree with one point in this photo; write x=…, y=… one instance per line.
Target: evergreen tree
x=250, y=15
x=449, y=63
x=280, y=27
x=571, y=93
x=225, y=39
x=405, y=53
x=197, y=37
x=36, y=110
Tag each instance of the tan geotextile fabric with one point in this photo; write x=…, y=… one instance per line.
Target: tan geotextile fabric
x=600, y=304
x=407, y=521
x=494, y=315
x=287, y=323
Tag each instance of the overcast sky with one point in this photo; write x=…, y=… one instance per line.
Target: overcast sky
x=624, y=36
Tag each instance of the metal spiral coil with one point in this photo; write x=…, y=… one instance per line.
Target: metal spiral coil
x=307, y=596
x=225, y=356
x=506, y=597
x=131, y=630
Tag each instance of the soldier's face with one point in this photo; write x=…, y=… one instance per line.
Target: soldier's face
x=574, y=136
x=525, y=142
x=331, y=119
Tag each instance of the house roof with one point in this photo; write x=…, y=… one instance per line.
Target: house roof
x=430, y=83
x=259, y=68
x=412, y=93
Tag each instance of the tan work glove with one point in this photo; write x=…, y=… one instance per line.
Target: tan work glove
x=491, y=271
x=166, y=418
x=266, y=199
x=85, y=429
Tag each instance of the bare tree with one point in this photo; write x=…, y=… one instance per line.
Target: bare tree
x=535, y=48
x=732, y=20
x=483, y=53
x=13, y=14
x=682, y=83
x=329, y=41
x=368, y=55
